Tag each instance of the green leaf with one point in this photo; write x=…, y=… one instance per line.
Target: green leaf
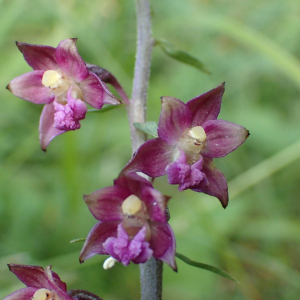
x=180, y=55
x=77, y=240
x=105, y=109
x=205, y=267
x=147, y=127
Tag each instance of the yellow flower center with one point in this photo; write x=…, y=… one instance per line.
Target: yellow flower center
x=198, y=133
x=56, y=82
x=59, y=85
x=193, y=140
x=135, y=216
x=43, y=294
x=132, y=205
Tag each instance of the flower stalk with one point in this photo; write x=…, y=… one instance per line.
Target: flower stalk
x=137, y=107
x=151, y=271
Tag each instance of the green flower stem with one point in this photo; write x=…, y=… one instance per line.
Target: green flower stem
x=151, y=271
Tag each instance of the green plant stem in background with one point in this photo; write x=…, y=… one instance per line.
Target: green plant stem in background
x=264, y=169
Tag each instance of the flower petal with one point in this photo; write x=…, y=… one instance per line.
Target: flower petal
x=133, y=183
x=22, y=294
x=46, y=127
x=34, y=276
x=96, y=93
x=222, y=137
x=69, y=61
x=139, y=246
x=57, y=285
x=151, y=158
x=163, y=243
x=95, y=239
x=175, y=118
x=156, y=204
x=106, y=204
x=39, y=57
x=206, y=106
x=217, y=184
x=29, y=87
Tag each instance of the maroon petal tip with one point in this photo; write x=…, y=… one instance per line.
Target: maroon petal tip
x=19, y=45
x=175, y=269
x=248, y=133
x=224, y=202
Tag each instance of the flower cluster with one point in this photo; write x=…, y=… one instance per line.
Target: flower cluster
x=132, y=216
x=61, y=80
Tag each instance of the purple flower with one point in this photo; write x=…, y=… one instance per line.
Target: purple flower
x=132, y=223
x=61, y=81
x=42, y=284
x=189, y=137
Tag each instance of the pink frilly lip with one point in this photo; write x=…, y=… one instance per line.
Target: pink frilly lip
x=67, y=117
x=124, y=249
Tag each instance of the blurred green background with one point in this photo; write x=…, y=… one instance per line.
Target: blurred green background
x=254, y=46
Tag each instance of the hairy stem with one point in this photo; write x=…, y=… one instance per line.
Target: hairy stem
x=151, y=271
x=151, y=279
x=137, y=107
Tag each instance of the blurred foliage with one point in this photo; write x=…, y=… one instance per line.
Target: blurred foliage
x=254, y=47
